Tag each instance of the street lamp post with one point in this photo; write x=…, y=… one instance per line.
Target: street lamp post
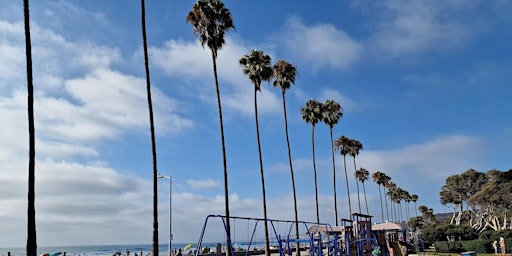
x=170, y=209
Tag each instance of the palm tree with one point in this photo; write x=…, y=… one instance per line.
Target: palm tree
x=256, y=65
x=386, y=183
x=31, y=211
x=332, y=114
x=284, y=77
x=414, y=198
x=155, y=246
x=312, y=113
x=362, y=176
x=354, y=147
x=378, y=177
x=393, y=195
x=342, y=144
x=407, y=199
x=210, y=20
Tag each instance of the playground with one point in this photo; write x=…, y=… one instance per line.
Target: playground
x=353, y=237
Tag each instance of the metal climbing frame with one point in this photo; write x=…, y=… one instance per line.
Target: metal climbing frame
x=364, y=240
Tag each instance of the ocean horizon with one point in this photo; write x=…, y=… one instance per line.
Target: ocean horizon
x=101, y=250
x=110, y=250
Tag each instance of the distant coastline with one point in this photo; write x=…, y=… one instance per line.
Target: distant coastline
x=93, y=250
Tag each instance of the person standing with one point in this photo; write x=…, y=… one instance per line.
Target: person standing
x=390, y=249
x=495, y=247
x=403, y=249
x=502, y=245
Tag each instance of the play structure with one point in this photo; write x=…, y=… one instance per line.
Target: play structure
x=353, y=238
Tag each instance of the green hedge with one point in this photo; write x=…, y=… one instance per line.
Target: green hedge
x=479, y=246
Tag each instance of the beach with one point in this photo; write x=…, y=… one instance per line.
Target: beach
x=94, y=250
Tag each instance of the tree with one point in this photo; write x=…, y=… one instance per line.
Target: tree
x=354, y=147
x=414, y=198
x=386, y=182
x=256, y=65
x=343, y=145
x=31, y=211
x=459, y=188
x=312, y=113
x=331, y=115
x=362, y=176
x=393, y=198
x=154, y=250
x=210, y=20
x=492, y=203
x=378, y=177
x=427, y=214
x=284, y=76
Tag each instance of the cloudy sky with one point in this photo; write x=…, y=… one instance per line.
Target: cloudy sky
x=425, y=86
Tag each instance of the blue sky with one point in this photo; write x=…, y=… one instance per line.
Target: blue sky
x=425, y=86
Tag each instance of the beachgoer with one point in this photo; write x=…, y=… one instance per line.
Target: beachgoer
x=8, y=253
x=179, y=252
x=495, y=247
x=403, y=249
x=390, y=249
x=502, y=245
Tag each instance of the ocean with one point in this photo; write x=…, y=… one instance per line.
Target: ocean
x=100, y=250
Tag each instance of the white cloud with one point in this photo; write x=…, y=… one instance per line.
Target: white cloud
x=408, y=28
x=431, y=160
x=177, y=58
x=347, y=103
x=321, y=45
x=12, y=52
x=203, y=184
x=78, y=104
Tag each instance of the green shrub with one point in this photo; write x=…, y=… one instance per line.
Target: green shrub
x=479, y=246
x=449, y=246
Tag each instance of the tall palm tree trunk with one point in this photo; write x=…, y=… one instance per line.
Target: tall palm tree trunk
x=357, y=186
x=365, y=200
x=291, y=172
x=314, y=171
x=386, y=201
x=381, y=207
x=154, y=249
x=334, y=178
x=224, y=158
x=267, y=242
x=31, y=211
x=400, y=211
x=346, y=180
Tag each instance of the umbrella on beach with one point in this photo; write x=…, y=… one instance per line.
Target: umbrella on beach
x=188, y=246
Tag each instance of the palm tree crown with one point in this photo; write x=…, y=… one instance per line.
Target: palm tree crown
x=284, y=75
x=312, y=113
x=256, y=66
x=333, y=112
x=210, y=20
